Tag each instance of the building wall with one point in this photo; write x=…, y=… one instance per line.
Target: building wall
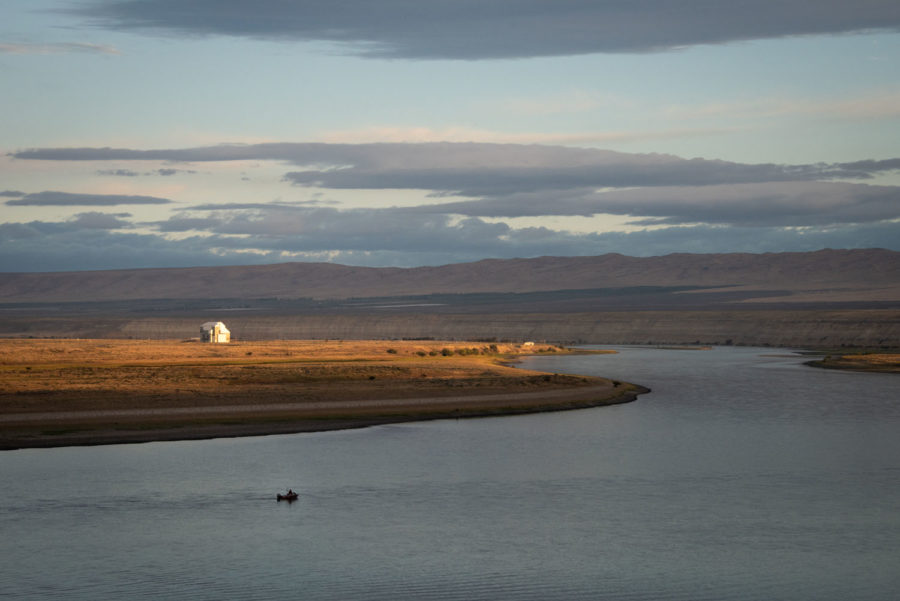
x=215, y=335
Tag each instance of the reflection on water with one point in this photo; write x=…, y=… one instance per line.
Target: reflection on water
x=742, y=476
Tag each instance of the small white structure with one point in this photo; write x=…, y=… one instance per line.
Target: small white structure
x=214, y=331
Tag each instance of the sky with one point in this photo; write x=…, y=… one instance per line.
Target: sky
x=174, y=133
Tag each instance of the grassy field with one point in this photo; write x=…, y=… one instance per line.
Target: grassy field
x=88, y=391
x=880, y=362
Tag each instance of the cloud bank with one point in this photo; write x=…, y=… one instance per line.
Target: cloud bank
x=496, y=29
x=514, y=180
x=65, y=199
x=764, y=204
x=474, y=169
x=76, y=245
x=479, y=192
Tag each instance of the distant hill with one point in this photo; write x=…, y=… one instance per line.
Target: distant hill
x=826, y=275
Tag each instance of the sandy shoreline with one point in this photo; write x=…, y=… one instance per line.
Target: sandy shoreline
x=86, y=392
x=138, y=425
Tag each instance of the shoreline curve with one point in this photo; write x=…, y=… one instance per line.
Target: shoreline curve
x=90, y=428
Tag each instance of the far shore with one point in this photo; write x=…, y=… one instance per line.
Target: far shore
x=871, y=362
x=65, y=392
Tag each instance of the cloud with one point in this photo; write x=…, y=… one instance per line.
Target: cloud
x=516, y=180
x=479, y=170
x=11, y=194
x=186, y=224
x=433, y=229
x=476, y=169
x=57, y=48
x=220, y=152
x=281, y=228
x=50, y=198
x=118, y=172
x=43, y=246
x=99, y=221
x=259, y=205
x=491, y=29
x=169, y=171
x=165, y=172
x=389, y=238
x=49, y=229
x=749, y=205
x=873, y=166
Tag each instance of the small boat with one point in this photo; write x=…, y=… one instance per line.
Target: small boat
x=290, y=496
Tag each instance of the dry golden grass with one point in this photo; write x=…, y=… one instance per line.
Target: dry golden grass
x=17, y=351
x=882, y=362
x=48, y=387
x=53, y=375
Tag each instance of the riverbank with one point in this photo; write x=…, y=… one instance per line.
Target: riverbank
x=80, y=392
x=873, y=362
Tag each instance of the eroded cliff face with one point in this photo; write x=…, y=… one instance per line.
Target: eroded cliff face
x=807, y=329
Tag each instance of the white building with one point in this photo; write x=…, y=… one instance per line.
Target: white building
x=214, y=331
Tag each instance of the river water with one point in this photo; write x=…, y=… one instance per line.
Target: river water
x=743, y=475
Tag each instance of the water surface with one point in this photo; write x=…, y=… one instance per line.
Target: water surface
x=743, y=475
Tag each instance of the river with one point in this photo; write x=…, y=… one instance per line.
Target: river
x=743, y=475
